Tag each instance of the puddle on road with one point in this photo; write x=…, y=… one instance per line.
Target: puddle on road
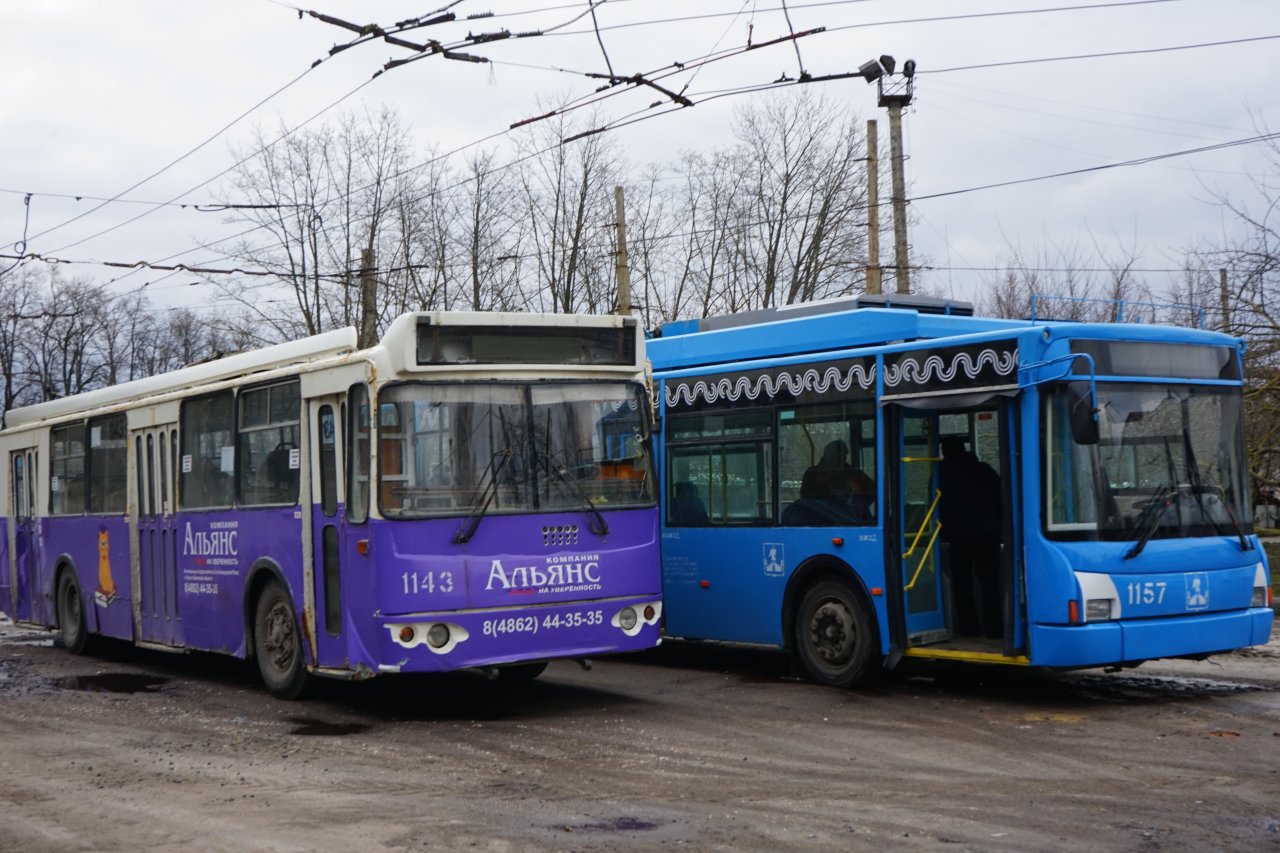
x=618, y=824
x=1159, y=687
x=113, y=682
x=319, y=728
x=30, y=640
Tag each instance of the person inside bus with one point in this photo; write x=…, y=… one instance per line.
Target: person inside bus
x=832, y=492
x=686, y=505
x=971, y=526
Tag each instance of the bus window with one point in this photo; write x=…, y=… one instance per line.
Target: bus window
x=328, y=463
x=358, y=456
x=208, y=454
x=270, y=461
x=824, y=455
x=721, y=469
x=108, y=449
x=66, y=474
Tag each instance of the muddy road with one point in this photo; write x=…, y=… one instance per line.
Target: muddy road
x=693, y=746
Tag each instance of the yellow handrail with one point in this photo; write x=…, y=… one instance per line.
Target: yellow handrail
x=923, y=524
x=924, y=558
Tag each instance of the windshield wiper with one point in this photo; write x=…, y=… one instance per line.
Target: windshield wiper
x=472, y=521
x=598, y=524
x=1161, y=501
x=1221, y=494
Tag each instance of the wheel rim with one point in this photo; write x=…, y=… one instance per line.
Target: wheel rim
x=831, y=632
x=279, y=641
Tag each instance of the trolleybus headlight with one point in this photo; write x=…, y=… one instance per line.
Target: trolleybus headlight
x=1097, y=610
x=438, y=635
x=1261, y=587
x=627, y=618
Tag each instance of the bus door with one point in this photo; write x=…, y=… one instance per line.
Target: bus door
x=327, y=528
x=23, y=536
x=939, y=604
x=155, y=534
x=917, y=508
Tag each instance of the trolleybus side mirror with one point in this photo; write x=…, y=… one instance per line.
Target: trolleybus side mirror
x=1082, y=407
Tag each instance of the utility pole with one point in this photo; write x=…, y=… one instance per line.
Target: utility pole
x=623, y=269
x=873, y=209
x=895, y=95
x=368, y=300
x=902, y=275
x=1226, y=301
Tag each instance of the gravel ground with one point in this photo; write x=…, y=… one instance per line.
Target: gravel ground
x=696, y=745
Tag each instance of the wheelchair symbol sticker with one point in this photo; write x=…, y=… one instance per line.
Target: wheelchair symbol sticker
x=1197, y=591
x=774, y=559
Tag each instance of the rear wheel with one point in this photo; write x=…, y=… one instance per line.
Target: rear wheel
x=71, y=625
x=834, y=640
x=277, y=643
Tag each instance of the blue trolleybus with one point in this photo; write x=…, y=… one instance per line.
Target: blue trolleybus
x=472, y=491
x=858, y=482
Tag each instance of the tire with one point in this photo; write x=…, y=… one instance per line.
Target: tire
x=521, y=673
x=71, y=624
x=277, y=643
x=834, y=639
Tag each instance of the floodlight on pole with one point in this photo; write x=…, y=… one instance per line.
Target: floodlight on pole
x=870, y=71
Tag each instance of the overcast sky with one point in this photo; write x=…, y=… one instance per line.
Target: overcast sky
x=99, y=95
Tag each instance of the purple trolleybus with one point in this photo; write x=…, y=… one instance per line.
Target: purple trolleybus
x=474, y=491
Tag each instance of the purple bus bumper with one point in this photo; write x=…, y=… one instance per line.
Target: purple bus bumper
x=407, y=643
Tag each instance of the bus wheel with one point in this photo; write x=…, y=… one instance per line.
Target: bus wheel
x=521, y=673
x=71, y=626
x=833, y=636
x=277, y=643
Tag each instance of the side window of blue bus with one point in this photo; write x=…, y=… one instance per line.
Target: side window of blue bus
x=270, y=458
x=720, y=468
x=207, y=462
x=66, y=470
x=827, y=465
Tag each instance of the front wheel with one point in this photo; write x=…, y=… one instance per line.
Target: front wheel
x=520, y=673
x=834, y=639
x=71, y=624
x=277, y=643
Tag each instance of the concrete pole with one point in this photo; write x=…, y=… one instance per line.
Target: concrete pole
x=1226, y=301
x=899, y=199
x=623, y=269
x=873, y=209
x=368, y=300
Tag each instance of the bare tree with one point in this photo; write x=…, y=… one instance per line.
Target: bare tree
x=318, y=198
x=567, y=190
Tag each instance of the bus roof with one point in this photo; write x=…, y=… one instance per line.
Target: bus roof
x=839, y=329
x=338, y=342
x=781, y=334
x=394, y=354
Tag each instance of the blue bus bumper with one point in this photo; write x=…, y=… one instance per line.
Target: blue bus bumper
x=1131, y=641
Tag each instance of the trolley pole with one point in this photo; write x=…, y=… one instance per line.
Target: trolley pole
x=873, y=209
